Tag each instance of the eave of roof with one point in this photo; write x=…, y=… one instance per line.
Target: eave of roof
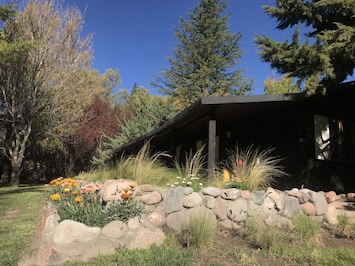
x=205, y=103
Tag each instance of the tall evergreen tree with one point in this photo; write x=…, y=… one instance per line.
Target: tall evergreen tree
x=327, y=57
x=205, y=58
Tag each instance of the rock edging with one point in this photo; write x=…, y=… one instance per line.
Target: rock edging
x=73, y=241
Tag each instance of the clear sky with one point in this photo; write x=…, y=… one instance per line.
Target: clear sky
x=135, y=36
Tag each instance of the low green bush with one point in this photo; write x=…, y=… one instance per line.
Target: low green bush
x=123, y=210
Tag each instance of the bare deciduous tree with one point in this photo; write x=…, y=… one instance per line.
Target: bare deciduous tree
x=44, y=64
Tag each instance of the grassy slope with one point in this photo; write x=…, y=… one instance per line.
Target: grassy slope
x=19, y=209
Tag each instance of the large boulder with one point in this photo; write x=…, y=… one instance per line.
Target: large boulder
x=174, y=200
x=238, y=211
x=69, y=231
x=112, y=189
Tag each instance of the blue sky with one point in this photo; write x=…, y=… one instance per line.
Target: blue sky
x=135, y=36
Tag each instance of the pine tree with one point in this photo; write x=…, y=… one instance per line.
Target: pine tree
x=205, y=57
x=327, y=57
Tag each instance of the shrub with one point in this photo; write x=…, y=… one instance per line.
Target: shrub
x=143, y=167
x=201, y=228
x=252, y=168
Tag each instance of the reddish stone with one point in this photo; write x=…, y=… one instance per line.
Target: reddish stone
x=308, y=208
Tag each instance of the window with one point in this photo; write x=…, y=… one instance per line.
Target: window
x=334, y=139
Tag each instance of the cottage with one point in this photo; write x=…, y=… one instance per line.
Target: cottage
x=314, y=134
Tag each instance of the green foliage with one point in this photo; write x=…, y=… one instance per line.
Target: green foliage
x=327, y=55
x=238, y=185
x=143, y=167
x=252, y=168
x=261, y=236
x=123, y=210
x=74, y=204
x=307, y=228
x=201, y=228
x=193, y=165
x=7, y=12
x=205, y=58
x=147, y=113
x=166, y=254
x=345, y=228
x=282, y=85
x=82, y=205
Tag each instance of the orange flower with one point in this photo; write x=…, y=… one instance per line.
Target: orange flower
x=75, y=192
x=55, y=197
x=90, y=188
x=78, y=199
x=66, y=184
x=125, y=195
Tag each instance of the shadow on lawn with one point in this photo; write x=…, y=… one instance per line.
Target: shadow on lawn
x=6, y=189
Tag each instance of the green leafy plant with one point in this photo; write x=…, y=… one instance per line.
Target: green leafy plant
x=123, y=210
x=252, y=168
x=201, y=228
x=239, y=185
x=82, y=205
x=71, y=202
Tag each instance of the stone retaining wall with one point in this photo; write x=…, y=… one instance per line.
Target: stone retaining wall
x=73, y=241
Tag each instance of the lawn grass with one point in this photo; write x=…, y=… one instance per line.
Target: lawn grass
x=19, y=216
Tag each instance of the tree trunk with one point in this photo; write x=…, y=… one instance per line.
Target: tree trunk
x=17, y=152
x=15, y=173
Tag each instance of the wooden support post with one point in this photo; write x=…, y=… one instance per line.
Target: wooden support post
x=211, y=163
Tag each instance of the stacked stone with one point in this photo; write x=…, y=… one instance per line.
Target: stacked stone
x=73, y=241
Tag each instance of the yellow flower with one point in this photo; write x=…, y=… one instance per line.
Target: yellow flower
x=55, y=197
x=78, y=199
x=66, y=190
x=132, y=185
